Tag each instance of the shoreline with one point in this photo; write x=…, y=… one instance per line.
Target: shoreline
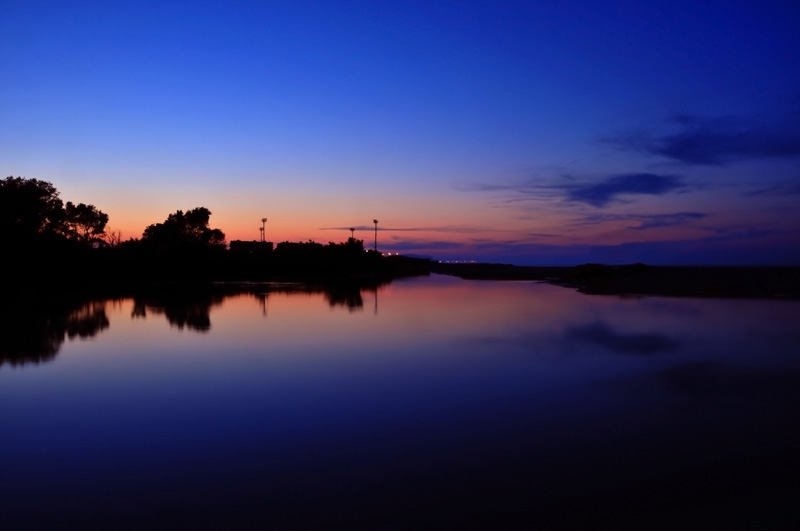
x=119, y=278
x=734, y=282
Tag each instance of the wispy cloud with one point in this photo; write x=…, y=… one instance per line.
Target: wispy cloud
x=529, y=190
x=647, y=221
x=420, y=245
x=667, y=220
x=716, y=141
x=597, y=193
x=444, y=228
x=536, y=235
x=725, y=245
x=741, y=232
x=778, y=189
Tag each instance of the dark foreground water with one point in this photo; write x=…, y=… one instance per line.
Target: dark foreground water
x=425, y=403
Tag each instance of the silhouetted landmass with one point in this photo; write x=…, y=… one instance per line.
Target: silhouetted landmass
x=48, y=245
x=486, y=271
x=734, y=282
x=640, y=279
x=130, y=270
x=184, y=233
x=51, y=246
x=32, y=217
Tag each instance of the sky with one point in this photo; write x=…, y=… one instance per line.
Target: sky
x=533, y=133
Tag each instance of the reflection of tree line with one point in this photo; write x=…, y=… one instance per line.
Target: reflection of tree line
x=181, y=309
x=33, y=331
x=34, y=328
x=345, y=296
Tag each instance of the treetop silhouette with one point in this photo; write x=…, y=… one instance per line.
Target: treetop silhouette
x=37, y=228
x=85, y=222
x=184, y=230
x=31, y=210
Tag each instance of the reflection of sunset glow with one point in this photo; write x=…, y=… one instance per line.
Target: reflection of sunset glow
x=438, y=375
x=278, y=323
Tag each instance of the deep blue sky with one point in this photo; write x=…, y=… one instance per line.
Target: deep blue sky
x=527, y=132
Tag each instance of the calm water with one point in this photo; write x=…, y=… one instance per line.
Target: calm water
x=425, y=402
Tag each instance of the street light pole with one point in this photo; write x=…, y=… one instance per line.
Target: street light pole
x=375, y=221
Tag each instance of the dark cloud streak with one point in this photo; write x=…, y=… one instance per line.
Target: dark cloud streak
x=646, y=221
x=597, y=193
x=787, y=189
x=717, y=141
x=668, y=220
x=602, y=193
x=448, y=229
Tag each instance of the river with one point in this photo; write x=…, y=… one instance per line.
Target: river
x=427, y=402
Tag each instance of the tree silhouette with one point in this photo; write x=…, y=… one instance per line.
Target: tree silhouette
x=112, y=237
x=85, y=222
x=29, y=208
x=181, y=231
x=31, y=211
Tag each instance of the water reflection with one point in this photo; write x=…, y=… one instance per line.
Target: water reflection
x=33, y=332
x=603, y=335
x=34, y=329
x=461, y=404
x=191, y=310
x=346, y=297
x=718, y=384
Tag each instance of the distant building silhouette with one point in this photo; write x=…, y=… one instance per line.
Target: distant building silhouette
x=251, y=247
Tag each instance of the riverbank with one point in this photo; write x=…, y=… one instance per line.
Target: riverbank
x=751, y=282
x=114, y=273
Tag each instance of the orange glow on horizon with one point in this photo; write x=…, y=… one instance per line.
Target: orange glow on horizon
x=461, y=226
